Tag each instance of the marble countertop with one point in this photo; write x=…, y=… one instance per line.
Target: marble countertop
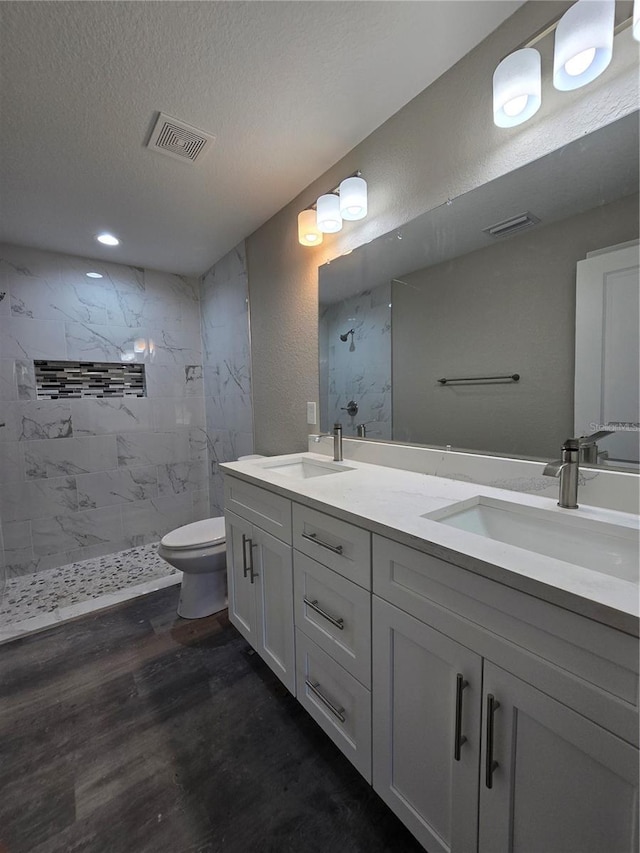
x=391, y=502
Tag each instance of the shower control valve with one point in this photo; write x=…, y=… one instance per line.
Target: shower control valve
x=351, y=408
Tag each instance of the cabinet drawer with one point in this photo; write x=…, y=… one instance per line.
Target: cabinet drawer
x=335, y=614
x=337, y=702
x=265, y=509
x=341, y=546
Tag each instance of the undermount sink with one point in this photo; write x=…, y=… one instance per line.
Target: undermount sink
x=603, y=547
x=302, y=469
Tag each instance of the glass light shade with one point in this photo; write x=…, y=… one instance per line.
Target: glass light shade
x=308, y=232
x=353, y=198
x=584, y=43
x=636, y=20
x=328, y=216
x=517, y=88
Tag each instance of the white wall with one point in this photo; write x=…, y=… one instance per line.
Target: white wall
x=440, y=145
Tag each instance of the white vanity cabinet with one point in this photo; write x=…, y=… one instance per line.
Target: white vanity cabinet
x=489, y=719
x=548, y=763
x=260, y=577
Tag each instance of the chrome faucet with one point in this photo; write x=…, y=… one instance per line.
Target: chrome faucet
x=589, y=453
x=337, y=441
x=567, y=468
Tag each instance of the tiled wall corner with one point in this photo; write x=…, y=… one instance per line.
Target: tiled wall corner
x=227, y=366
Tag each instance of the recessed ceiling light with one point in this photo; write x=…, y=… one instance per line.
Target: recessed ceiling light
x=108, y=239
x=94, y=275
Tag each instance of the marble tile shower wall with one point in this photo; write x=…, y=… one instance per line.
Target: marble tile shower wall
x=227, y=366
x=360, y=368
x=82, y=478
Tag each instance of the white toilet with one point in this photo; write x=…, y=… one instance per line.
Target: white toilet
x=199, y=551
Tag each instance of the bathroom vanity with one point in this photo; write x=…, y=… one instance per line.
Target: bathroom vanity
x=487, y=691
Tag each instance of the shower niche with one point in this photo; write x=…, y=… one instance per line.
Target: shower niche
x=61, y=380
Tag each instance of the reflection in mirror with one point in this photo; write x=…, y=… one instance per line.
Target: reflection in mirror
x=486, y=286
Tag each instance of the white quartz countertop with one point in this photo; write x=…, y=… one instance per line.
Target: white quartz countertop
x=391, y=502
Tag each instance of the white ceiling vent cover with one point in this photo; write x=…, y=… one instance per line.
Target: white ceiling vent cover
x=510, y=226
x=176, y=139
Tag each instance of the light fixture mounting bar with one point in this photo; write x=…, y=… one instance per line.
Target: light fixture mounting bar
x=334, y=191
x=550, y=28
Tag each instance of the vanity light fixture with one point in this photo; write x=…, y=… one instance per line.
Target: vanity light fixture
x=107, y=239
x=93, y=275
x=583, y=44
x=308, y=232
x=517, y=88
x=582, y=51
x=347, y=202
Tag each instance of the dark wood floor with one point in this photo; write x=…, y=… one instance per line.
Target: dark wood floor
x=134, y=731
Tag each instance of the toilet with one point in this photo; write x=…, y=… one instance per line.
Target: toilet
x=198, y=550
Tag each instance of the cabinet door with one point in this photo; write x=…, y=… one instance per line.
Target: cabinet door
x=241, y=594
x=561, y=784
x=426, y=692
x=273, y=574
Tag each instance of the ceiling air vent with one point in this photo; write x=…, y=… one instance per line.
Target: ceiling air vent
x=510, y=226
x=177, y=139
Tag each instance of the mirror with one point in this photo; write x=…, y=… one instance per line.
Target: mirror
x=461, y=328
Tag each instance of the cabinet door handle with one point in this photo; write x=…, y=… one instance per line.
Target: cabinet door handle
x=459, y=738
x=337, y=712
x=253, y=575
x=490, y=764
x=246, y=568
x=313, y=537
x=339, y=623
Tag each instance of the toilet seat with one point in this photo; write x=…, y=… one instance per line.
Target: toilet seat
x=198, y=534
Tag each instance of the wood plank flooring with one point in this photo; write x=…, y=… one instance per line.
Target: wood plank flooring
x=134, y=731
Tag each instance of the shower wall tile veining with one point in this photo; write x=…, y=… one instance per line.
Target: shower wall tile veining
x=227, y=366
x=359, y=368
x=84, y=477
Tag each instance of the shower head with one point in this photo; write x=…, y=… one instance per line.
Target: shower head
x=345, y=337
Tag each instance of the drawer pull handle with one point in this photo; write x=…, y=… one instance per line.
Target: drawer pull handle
x=313, y=537
x=338, y=712
x=459, y=738
x=339, y=623
x=490, y=765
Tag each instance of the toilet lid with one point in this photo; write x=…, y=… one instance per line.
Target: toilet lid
x=199, y=533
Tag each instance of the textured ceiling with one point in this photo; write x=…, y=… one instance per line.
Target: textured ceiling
x=288, y=88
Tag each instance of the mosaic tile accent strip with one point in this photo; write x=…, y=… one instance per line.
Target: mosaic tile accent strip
x=75, y=379
x=32, y=595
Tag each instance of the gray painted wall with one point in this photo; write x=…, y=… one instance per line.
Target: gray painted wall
x=440, y=145
x=508, y=308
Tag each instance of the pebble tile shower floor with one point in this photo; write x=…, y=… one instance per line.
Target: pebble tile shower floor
x=33, y=595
